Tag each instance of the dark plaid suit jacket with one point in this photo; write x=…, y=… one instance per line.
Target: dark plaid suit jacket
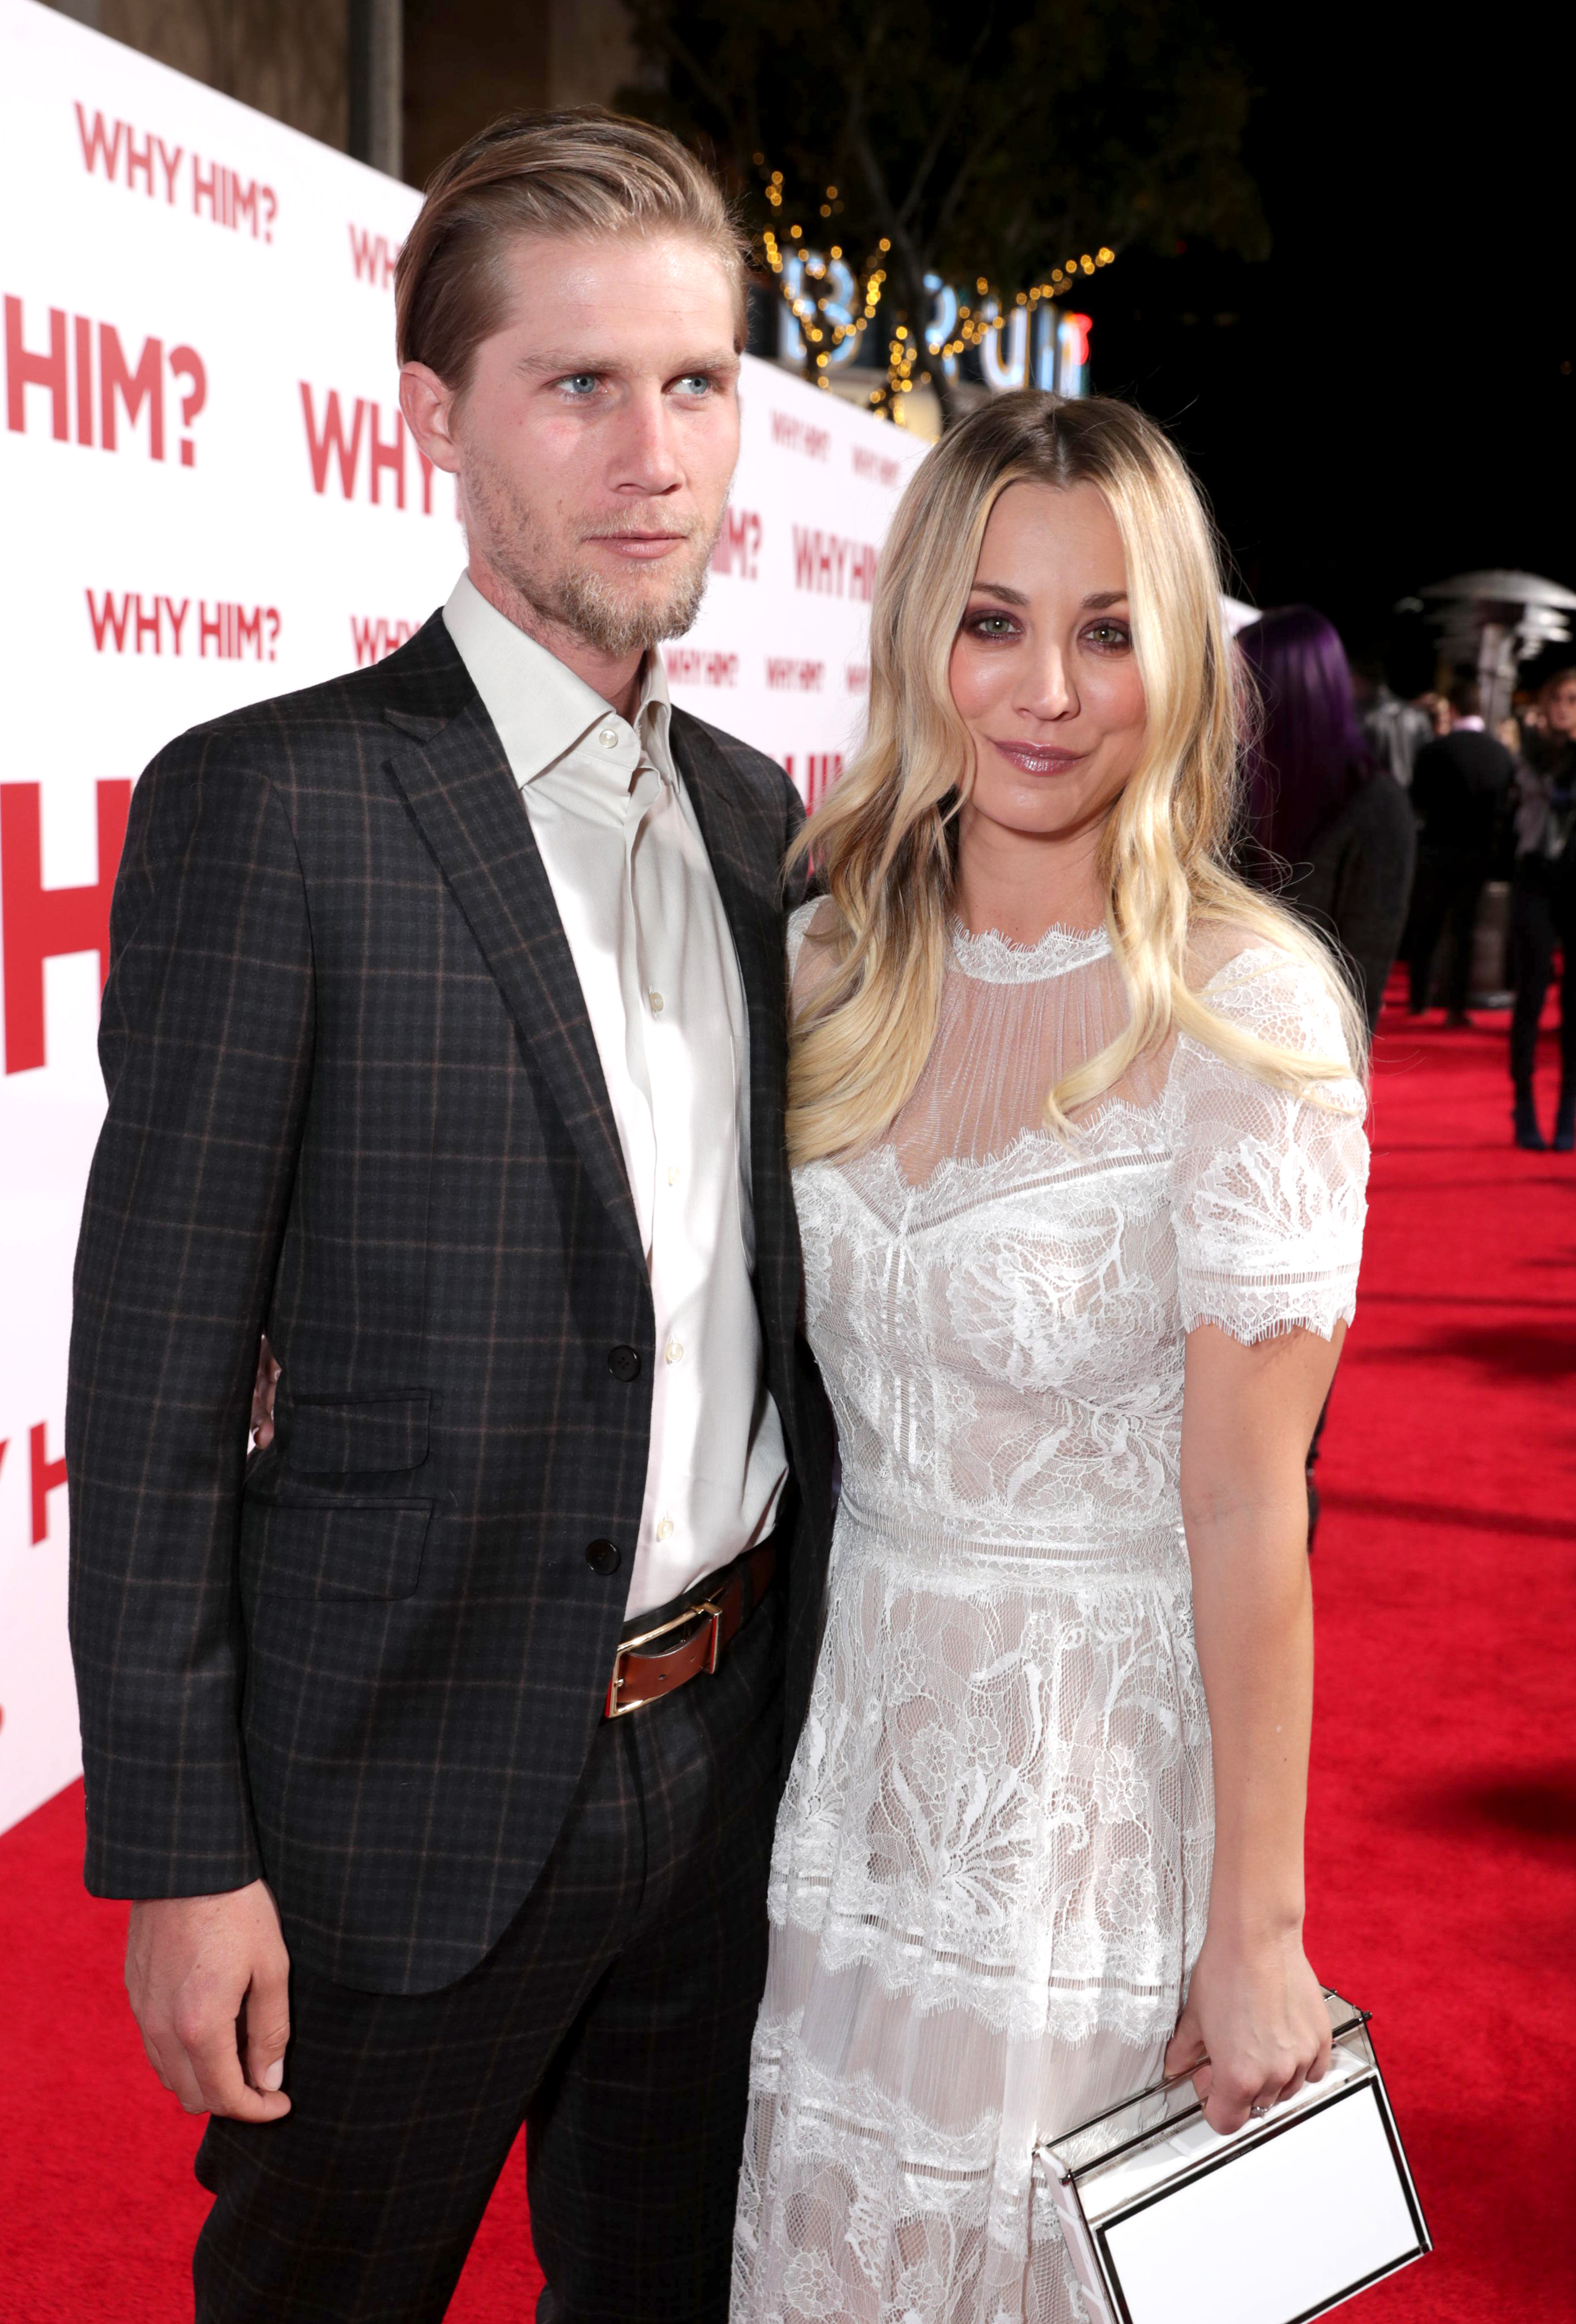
x=355, y=1098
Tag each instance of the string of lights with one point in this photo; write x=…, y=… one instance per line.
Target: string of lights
x=832, y=301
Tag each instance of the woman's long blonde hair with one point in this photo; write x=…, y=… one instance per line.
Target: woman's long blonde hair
x=884, y=839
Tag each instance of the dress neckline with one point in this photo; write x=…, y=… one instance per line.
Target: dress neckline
x=991, y=958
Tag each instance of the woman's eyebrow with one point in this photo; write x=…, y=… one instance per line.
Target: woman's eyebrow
x=1104, y=599
x=999, y=589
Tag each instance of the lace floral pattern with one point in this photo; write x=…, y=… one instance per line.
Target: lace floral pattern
x=992, y=1864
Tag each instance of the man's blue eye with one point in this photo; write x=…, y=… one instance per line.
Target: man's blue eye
x=581, y=382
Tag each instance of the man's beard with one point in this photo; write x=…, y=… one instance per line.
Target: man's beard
x=617, y=625
x=617, y=621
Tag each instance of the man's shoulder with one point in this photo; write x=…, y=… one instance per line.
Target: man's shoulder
x=320, y=731
x=756, y=771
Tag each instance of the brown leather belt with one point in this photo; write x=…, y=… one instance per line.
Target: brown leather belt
x=639, y=1678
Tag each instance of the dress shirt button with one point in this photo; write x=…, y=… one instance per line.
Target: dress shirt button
x=624, y=1363
x=673, y=1351
x=656, y=1000
x=608, y=738
x=664, y=1530
x=603, y=1556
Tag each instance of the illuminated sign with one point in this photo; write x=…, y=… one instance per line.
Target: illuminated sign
x=1033, y=344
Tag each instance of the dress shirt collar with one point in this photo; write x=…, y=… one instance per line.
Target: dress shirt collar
x=540, y=708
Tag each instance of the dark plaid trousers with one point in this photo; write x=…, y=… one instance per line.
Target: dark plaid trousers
x=613, y=2018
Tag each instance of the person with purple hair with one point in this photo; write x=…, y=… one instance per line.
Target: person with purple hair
x=1333, y=835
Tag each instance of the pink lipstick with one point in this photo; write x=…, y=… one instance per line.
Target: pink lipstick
x=1039, y=757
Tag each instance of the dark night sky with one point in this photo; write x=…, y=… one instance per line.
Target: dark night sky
x=1388, y=406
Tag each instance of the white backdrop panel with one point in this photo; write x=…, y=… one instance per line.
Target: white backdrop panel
x=208, y=497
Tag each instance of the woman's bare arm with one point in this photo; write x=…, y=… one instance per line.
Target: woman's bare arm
x=1255, y=2009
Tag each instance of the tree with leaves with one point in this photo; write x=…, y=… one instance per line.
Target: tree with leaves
x=987, y=143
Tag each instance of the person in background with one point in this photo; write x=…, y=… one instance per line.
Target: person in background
x=1395, y=731
x=1316, y=802
x=1542, y=903
x=1459, y=787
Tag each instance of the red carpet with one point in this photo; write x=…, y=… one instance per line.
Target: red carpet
x=1442, y=1830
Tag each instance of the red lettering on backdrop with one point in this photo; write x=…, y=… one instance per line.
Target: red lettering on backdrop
x=822, y=768
x=241, y=204
x=389, y=455
x=372, y=639
x=142, y=161
x=123, y=386
x=698, y=666
x=39, y=922
x=329, y=441
x=785, y=674
x=738, y=545
x=47, y=1475
x=832, y=566
x=796, y=435
x=188, y=365
x=371, y=258
x=210, y=189
x=84, y=333
x=879, y=468
x=332, y=440
x=25, y=369
x=97, y=149
x=158, y=625
x=146, y=384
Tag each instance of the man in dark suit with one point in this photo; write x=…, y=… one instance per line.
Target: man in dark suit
x=1459, y=782
x=445, y=1039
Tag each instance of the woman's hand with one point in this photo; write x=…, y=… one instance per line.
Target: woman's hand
x=1256, y=2014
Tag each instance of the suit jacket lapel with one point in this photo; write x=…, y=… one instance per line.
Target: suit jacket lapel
x=456, y=781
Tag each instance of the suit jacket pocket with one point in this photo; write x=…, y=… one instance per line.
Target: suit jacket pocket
x=362, y=1434
x=343, y=1549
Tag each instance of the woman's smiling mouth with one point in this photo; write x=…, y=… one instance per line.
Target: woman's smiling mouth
x=1038, y=757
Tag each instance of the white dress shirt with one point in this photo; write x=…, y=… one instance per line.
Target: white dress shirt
x=655, y=958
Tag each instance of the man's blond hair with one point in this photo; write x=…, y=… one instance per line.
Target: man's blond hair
x=584, y=174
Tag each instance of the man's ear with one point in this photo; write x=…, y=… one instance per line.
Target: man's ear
x=429, y=407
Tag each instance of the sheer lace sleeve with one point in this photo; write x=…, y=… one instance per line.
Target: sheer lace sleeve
x=1268, y=1189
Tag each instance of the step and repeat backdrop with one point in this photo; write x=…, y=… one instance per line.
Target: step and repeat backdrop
x=208, y=496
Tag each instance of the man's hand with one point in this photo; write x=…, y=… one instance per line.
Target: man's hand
x=209, y=1983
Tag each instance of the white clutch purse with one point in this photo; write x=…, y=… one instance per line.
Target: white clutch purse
x=1167, y=2222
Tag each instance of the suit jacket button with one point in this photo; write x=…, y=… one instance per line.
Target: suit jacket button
x=603, y=1556
x=624, y=1363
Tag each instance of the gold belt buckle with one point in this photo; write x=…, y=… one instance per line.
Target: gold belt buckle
x=712, y=1607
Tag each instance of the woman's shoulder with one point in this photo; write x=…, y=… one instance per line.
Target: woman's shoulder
x=818, y=920
x=1280, y=987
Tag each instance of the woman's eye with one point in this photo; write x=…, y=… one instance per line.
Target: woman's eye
x=1111, y=637
x=992, y=625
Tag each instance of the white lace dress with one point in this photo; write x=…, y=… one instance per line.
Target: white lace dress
x=992, y=1862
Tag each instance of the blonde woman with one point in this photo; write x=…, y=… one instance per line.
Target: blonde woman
x=1076, y=1120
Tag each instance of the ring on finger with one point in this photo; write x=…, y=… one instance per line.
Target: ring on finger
x=1258, y=2108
